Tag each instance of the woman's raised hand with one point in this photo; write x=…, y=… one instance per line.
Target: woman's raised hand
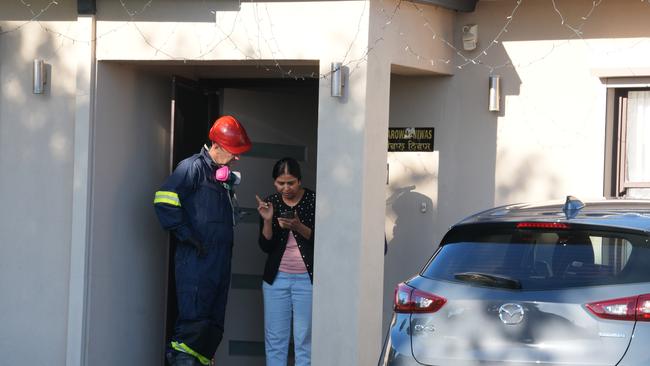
x=264, y=208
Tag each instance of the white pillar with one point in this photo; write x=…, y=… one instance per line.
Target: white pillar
x=351, y=176
x=76, y=341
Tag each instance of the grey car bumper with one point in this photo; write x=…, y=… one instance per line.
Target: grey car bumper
x=397, y=347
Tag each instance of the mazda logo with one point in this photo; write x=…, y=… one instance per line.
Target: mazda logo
x=511, y=314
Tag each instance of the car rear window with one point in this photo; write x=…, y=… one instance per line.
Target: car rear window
x=543, y=259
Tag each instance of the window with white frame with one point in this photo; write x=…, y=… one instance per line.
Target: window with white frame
x=628, y=146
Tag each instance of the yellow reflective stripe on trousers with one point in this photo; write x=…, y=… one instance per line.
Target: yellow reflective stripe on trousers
x=167, y=197
x=182, y=347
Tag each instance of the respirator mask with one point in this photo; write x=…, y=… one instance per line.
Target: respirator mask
x=227, y=177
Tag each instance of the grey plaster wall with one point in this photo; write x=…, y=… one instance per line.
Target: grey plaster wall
x=36, y=155
x=453, y=181
x=465, y=140
x=128, y=249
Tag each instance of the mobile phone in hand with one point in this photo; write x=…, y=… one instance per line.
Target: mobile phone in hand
x=286, y=214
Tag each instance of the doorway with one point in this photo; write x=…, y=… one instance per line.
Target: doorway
x=130, y=302
x=280, y=117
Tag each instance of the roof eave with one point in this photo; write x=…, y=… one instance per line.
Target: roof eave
x=458, y=5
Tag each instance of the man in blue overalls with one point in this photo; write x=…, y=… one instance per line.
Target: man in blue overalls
x=195, y=204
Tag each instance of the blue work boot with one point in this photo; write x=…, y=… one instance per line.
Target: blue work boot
x=184, y=359
x=169, y=356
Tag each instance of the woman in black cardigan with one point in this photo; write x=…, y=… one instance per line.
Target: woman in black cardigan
x=287, y=236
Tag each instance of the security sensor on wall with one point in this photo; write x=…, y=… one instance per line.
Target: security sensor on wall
x=470, y=37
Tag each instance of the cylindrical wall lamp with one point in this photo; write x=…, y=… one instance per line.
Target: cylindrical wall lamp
x=40, y=78
x=495, y=92
x=337, y=79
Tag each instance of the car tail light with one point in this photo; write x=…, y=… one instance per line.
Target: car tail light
x=543, y=225
x=627, y=308
x=643, y=308
x=412, y=300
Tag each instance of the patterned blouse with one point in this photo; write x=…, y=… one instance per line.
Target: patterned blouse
x=274, y=247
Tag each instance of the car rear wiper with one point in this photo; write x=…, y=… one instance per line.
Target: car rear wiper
x=489, y=280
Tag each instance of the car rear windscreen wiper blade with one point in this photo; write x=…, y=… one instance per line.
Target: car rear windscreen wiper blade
x=489, y=280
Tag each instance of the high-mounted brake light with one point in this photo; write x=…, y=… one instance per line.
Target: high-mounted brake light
x=626, y=308
x=543, y=225
x=412, y=300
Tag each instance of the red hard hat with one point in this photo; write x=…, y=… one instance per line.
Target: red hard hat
x=230, y=135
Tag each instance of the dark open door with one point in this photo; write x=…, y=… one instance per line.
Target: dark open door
x=193, y=110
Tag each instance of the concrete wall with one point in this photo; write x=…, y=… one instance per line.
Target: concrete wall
x=410, y=37
x=451, y=181
x=464, y=159
x=410, y=47
x=550, y=132
x=36, y=149
x=128, y=250
x=352, y=171
x=198, y=30
x=411, y=232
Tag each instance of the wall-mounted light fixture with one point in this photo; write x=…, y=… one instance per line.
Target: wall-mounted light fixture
x=337, y=79
x=40, y=78
x=495, y=92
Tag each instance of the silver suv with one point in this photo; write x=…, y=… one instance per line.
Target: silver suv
x=555, y=284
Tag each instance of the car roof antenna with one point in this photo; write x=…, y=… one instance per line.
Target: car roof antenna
x=572, y=206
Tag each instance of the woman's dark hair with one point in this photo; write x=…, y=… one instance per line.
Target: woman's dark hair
x=287, y=166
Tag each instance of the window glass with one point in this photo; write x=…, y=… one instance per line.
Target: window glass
x=638, y=130
x=641, y=193
x=541, y=260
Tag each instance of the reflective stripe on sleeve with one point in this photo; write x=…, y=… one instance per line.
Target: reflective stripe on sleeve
x=182, y=347
x=168, y=197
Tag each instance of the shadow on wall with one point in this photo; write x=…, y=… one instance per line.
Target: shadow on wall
x=410, y=231
x=167, y=10
x=140, y=10
x=411, y=244
x=40, y=10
